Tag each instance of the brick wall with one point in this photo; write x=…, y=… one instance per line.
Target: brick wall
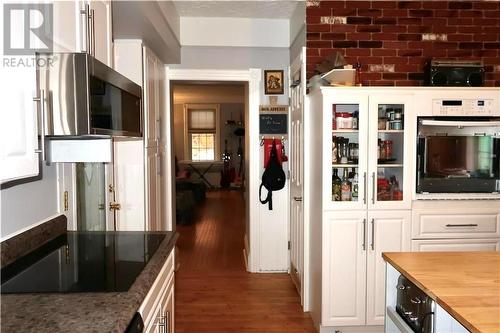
x=393, y=40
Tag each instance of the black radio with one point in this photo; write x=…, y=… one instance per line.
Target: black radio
x=451, y=73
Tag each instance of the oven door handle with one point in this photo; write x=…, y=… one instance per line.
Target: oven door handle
x=460, y=123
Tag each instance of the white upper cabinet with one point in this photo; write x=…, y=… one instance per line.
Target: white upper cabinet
x=101, y=31
x=367, y=142
x=389, y=151
x=18, y=125
x=344, y=149
x=151, y=98
x=84, y=26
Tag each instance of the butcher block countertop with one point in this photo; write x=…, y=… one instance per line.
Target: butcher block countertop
x=465, y=284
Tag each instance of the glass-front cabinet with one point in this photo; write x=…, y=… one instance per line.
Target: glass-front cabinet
x=367, y=155
x=389, y=151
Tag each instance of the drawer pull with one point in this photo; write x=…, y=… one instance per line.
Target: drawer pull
x=461, y=225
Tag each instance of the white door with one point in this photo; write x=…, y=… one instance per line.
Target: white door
x=297, y=77
x=101, y=28
x=438, y=245
x=336, y=103
x=388, y=231
x=389, y=167
x=344, y=268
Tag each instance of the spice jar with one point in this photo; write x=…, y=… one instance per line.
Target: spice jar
x=347, y=120
x=383, y=151
x=382, y=123
x=387, y=144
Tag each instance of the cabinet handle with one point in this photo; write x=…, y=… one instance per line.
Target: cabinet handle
x=363, y=246
x=461, y=225
x=92, y=19
x=373, y=188
x=365, y=188
x=373, y=235
x=41, y=147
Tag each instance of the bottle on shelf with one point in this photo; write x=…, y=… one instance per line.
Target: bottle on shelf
x=336, y=185
x=355, y=187
x=345, y=187
x=335, y=149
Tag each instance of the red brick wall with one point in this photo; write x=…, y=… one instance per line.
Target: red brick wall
x=393, y=40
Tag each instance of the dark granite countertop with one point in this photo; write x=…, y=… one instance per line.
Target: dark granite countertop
x=83, y=311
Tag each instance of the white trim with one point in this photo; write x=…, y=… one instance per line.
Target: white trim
x=20, y=231
x=253, y=77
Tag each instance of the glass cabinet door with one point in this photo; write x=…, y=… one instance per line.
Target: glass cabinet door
x=345, y=127
x=389, y=152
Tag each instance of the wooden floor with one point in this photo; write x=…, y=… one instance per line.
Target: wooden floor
x=214, y=293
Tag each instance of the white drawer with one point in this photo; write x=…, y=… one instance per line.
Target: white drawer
x=455, y=245
x=427, y=225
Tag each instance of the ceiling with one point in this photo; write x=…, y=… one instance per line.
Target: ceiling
x=275, y=9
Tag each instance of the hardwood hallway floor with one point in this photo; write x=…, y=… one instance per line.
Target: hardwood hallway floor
x=214, y=293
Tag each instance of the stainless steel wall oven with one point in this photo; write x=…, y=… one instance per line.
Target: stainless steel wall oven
x=458, y=155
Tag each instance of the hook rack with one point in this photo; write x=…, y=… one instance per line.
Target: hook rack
x=263, y=137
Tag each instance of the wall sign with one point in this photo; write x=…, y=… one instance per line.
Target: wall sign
x=273, y=123
x=273, y=108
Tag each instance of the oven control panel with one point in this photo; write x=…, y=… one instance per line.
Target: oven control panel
x=462, y=107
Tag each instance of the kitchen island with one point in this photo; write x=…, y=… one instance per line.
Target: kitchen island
x=464, y=285
x=89, y=282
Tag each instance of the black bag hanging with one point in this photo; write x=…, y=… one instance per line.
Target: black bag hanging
x=273, y=178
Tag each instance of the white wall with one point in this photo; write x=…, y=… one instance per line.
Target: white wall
x=235, y=32
x=25, y=205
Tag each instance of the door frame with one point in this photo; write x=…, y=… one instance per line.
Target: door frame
x=253, y=77
x=299, y=64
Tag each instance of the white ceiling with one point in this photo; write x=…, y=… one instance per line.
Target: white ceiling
x=275, y=9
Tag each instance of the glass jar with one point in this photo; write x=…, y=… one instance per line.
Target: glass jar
x=343, y=148
x=353, y=152
x=383, y=151
x=388, y=148
x=382, y=123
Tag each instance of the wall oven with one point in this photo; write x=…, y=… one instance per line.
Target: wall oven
x=457, y=154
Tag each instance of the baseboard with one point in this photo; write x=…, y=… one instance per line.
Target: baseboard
x=351, y=329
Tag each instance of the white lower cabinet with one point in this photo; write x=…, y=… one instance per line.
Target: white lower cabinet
x=157, y=310
x=389, y=232
x=344, y=268
x=353, y=281
x=438, y=245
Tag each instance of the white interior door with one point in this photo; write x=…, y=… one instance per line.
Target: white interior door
x=297, y=174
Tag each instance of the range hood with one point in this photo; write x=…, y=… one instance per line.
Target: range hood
x=82, y=99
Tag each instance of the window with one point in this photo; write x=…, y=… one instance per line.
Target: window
x=202, y=132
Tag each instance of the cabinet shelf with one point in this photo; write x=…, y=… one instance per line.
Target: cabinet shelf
x=390, y=165
x=391, y=131
x=345, y=131
x=345, y=165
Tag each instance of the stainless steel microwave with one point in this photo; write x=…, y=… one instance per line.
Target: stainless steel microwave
x=83, y=98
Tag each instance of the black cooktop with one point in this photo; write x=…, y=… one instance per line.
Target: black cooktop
x=82, y=262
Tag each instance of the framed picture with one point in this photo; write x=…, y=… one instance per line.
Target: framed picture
x=274, y=84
